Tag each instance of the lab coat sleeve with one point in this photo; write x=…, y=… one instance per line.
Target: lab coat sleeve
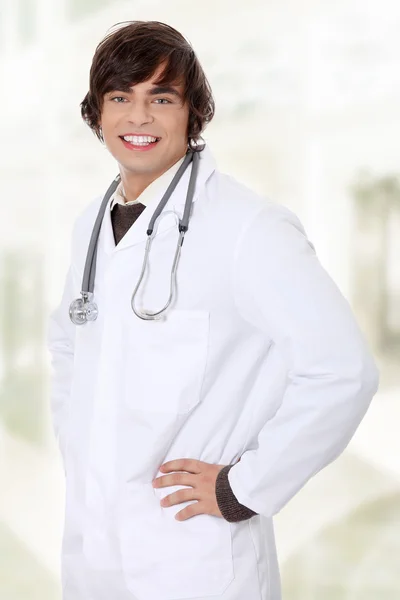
x=281, y=289
x=60, y=338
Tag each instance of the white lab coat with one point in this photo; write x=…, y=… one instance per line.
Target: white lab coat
x=259, y=358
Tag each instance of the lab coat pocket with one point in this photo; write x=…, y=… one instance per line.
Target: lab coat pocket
x=166, y=559
x=166, y=362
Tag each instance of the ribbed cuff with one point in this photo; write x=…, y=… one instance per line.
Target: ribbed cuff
x=228, y=504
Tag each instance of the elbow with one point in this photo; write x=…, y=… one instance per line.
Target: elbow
x=356, y=380
x=370, y=375
x=364, y=376
x=362, y=383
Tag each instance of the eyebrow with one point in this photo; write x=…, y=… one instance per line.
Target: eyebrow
x=167, y=89
x=155, y=91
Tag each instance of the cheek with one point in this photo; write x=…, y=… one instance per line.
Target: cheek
x=179, y=125
x=110, y=118
x=173, y=118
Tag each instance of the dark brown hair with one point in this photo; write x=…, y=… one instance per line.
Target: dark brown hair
x=131, y=54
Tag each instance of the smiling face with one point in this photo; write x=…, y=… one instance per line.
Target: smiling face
x=145, y=109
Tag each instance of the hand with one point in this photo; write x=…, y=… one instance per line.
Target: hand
x=201, y=476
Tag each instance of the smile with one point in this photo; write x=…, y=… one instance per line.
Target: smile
x=139, y=142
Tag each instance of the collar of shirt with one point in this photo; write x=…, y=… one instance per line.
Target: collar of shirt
x=151, y=190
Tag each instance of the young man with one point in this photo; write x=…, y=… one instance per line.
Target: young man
x=203, y=389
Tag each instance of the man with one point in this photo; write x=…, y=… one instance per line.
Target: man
x=183, y=436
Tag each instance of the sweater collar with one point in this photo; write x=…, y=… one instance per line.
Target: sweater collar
x=159, y=184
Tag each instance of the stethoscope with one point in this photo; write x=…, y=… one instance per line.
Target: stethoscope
x=84, y=309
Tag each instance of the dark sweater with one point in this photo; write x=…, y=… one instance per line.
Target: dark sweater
x=122, y=217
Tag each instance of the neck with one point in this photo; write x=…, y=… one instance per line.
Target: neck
x=135, y=183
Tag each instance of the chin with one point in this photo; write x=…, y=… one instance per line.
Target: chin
x=139, y=167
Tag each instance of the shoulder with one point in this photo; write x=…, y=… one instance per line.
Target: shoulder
x=228, y=193
x=83, y=227
x=88, y=213
x=273, y=234
x=254, y=211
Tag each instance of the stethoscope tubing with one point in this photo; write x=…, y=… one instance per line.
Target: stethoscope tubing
x=89, y=273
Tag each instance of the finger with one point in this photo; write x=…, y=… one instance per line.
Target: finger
x=197, y=508
x=191, y=465
x=178, y=497
x=174, y=479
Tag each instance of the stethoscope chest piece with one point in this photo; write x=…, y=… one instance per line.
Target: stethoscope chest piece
x=83, y=310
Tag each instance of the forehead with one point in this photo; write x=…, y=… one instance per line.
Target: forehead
x=160, y=82
x=157, y=80
x=151, y=87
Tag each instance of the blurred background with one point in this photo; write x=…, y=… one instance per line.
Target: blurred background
x=307, y=96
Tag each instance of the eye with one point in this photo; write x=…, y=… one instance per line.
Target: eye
x=117, y=98
x=163, y=100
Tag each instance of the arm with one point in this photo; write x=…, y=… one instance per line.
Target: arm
x=282, y=289
x=60, y=338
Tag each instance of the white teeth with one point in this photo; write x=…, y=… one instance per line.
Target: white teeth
x=139, y=140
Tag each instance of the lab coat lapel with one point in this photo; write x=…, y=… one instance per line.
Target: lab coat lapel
x=207, y=167
x=106, y=232
x=137, y=233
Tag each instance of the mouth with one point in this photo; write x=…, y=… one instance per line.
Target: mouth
x=141, y=143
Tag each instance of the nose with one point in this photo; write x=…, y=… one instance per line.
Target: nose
x=140, y=114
